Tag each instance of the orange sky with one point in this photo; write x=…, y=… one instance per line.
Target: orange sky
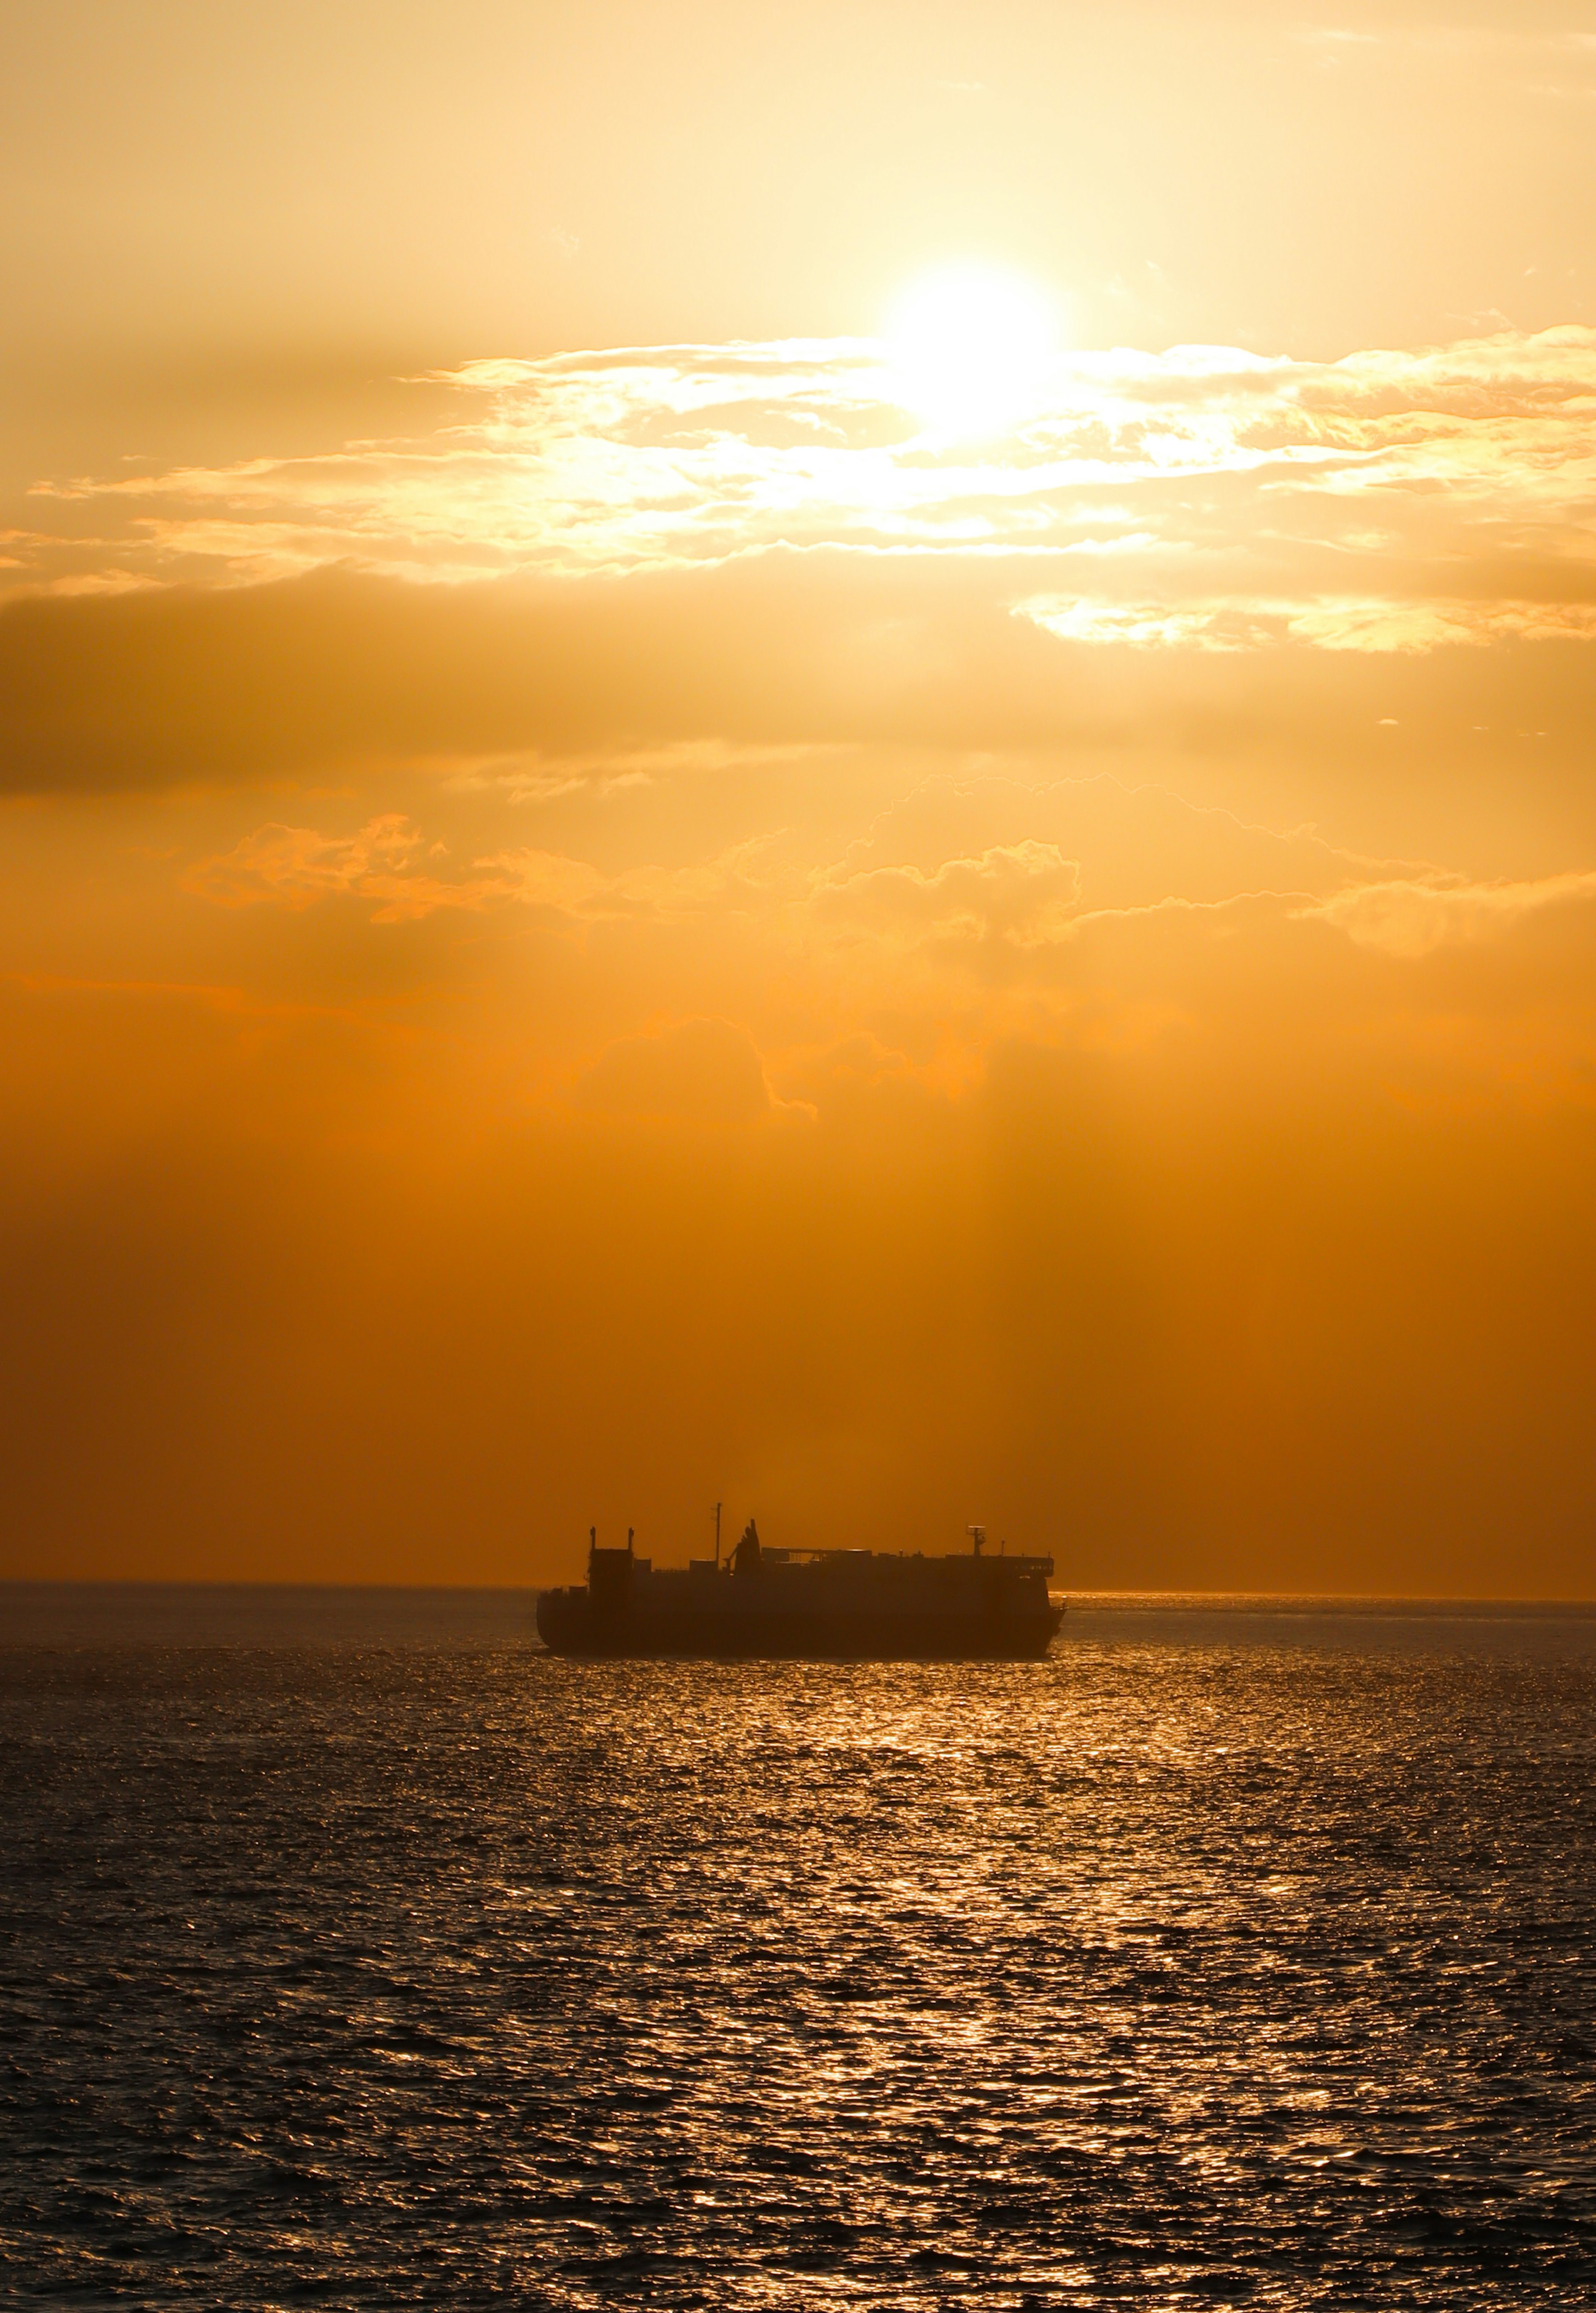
x=637, y=868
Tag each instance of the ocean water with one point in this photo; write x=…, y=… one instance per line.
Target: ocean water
x=353, y=1952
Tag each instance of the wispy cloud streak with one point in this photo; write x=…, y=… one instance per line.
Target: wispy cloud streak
x=1205, y=496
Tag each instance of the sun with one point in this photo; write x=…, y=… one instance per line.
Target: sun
x=971, y=346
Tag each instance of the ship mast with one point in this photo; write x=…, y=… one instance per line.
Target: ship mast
x=717, y=1537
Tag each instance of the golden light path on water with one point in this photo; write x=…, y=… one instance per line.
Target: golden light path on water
x=1220, y=1958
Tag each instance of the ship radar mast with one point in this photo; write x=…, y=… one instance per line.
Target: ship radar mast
x=977, y=1535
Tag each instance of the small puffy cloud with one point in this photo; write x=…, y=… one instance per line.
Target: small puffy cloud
x=1020, y=894
x=1136, y=841
x=295, y=866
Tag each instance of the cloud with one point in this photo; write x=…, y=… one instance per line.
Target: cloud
x=545, y=879
x=336, y=674
x=1021, y=895
x=1409, y=919
x=389, y=861
x=295, y=866
x=1203, y=497
x=1132, y=843
x=1332, y=622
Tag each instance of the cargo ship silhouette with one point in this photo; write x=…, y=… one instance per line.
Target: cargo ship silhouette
x=799, y=1603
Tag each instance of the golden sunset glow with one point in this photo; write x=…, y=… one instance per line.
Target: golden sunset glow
x=666, y=839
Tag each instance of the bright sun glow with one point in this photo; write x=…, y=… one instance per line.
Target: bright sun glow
x=970, y=348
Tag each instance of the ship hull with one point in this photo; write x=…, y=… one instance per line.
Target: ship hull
x=569, y=1625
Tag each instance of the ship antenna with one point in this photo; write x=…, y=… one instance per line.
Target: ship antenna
x=717, y=1535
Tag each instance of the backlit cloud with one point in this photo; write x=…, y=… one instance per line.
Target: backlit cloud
x=1021, y=894
x=1386, y=502
x=1409, y=919
x=295, y=866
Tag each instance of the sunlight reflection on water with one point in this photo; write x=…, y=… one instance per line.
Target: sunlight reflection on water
x=1201, y=1962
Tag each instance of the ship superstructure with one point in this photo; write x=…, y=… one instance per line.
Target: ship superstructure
x=974, y=1605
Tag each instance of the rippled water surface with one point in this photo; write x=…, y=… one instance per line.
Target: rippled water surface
x=1220, y=1959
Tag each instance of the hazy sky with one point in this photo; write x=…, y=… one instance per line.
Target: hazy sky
x=836, y=757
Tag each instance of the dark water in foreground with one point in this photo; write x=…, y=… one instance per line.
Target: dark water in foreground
x=1222, y=1959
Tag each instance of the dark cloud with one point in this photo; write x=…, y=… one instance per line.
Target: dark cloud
x=1477, y=755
